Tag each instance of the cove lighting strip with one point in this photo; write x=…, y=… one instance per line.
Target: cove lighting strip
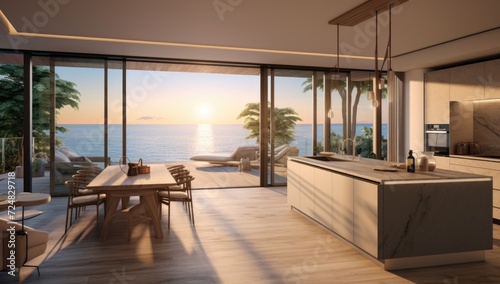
x=11, y=30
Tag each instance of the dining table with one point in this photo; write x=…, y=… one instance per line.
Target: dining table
x=117, y=185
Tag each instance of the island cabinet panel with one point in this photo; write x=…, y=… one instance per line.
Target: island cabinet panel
x=422, y=219
x=323, y=197
x=293, y=187
x=306, y=197
x=400, y=219
x=366, y=214
x=342, y=206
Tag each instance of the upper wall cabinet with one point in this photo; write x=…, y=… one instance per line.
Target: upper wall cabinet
x=461, y=84
x=437, y=97
x=467, y=82
x=492, y=79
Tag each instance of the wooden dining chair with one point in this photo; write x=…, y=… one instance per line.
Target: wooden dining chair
x=91, y=173
x=77, y=200
x=181, y=192
x=83, y=178
x=176, y=168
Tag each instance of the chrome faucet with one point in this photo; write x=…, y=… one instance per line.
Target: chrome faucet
x=353, y=147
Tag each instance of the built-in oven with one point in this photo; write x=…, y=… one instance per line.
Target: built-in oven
x=437, y=139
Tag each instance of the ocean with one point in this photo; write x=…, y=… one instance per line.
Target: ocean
x=175, y=142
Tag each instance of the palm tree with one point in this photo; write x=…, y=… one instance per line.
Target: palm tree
x=364, y=143
x=284, y=124
x=12, y=103
x=345, y=88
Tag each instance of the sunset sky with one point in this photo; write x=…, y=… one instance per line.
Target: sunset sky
x=182, y=98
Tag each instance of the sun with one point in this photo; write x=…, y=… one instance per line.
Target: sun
x=204, y=112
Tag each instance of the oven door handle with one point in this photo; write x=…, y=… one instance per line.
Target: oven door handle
x=437, y=131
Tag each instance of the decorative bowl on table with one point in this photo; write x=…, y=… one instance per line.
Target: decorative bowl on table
x=144, y=169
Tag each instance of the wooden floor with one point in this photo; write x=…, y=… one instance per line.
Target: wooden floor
x=242, y=235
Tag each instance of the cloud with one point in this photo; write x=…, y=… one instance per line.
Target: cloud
x=149, y=117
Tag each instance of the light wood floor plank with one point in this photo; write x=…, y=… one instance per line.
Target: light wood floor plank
x=242, y=235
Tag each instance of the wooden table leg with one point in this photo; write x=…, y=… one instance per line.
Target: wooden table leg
x=111, y=205
x=151, y=206
x=125, y=200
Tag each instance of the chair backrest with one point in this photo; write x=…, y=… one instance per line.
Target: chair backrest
x=75, y=186
x=185, y=181
x=83, y=178
x=180, y=174
x=89, y=172
x=175, y=168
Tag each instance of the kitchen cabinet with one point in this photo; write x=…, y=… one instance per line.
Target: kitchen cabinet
x=293, y=184
x=365, y=197
x=491, y=79
x=437, y=97
x=442, y=162
x=399, y=219
x=306, y=196
x=323, y=197
x=342, y=205
x=481, y=167
x=467, y=82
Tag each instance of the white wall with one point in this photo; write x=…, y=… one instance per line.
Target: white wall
x=414, y=109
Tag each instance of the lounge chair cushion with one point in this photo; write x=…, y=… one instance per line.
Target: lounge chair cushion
x=213, y=158
x=280, y=148
x=282, y=156
x=249, y=152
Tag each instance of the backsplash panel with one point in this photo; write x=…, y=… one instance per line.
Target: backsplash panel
x=486, y=126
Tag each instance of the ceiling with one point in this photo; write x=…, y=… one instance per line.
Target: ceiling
x=425, y=33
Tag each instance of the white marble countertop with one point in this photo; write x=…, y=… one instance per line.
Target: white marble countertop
x=365, y=169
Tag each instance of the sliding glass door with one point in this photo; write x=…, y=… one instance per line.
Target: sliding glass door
x=91, y=112
x=198, y=115
x=291, y=120
x=79, y=128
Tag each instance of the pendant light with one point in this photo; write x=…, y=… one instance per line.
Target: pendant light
x=377, y=73
x=330, y=113
x=336, y=76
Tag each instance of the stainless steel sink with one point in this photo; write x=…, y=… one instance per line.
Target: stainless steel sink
x=327, y=159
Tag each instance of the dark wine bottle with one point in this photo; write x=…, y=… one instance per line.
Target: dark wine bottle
x=410, y=162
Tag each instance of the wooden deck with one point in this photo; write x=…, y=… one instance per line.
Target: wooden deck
x=242, y=235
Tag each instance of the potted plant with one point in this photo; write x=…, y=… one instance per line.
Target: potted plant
x=38, y=169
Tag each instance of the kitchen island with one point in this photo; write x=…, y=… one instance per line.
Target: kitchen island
x=398, y=219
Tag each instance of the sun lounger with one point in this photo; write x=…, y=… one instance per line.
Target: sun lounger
x=250, y=152
x=281, y=155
